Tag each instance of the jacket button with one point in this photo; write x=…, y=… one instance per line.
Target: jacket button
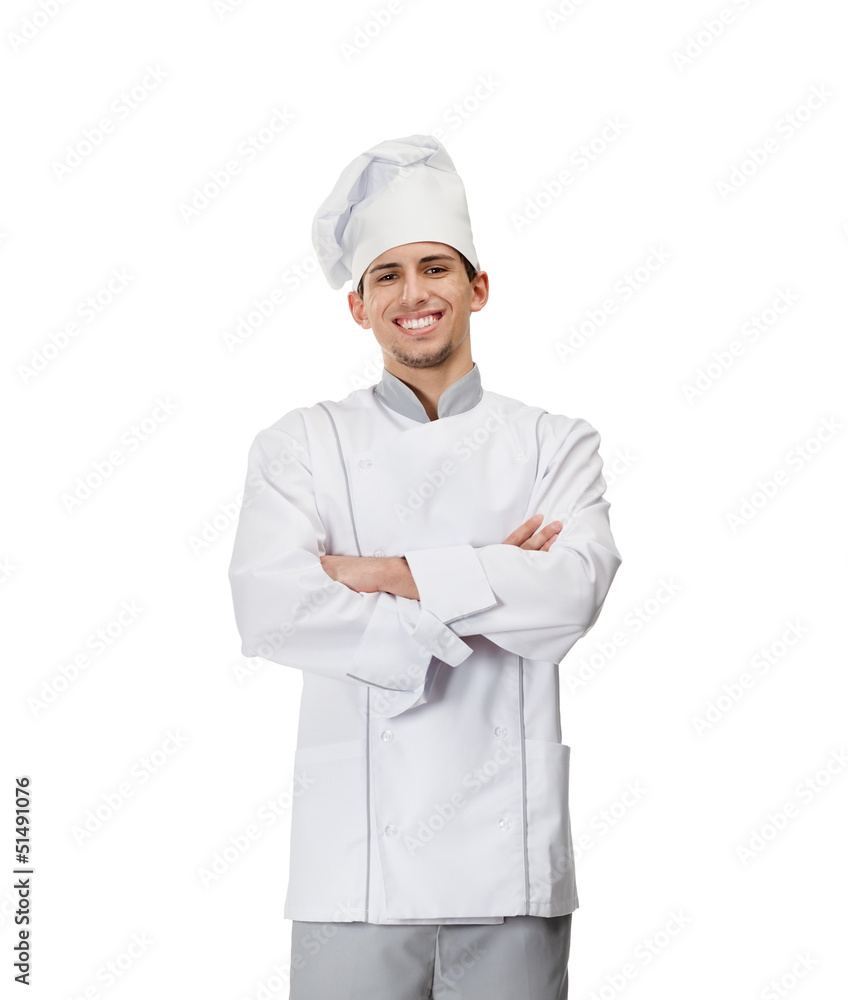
x=387, y=736
x=391, y=831
x=500, y=731
x=379, y=553
x=365, y=464
x=504, y=823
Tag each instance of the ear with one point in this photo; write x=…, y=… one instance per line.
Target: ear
x=479, y=291
x=357, y=310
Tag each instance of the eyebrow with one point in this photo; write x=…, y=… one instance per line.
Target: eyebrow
x=423, y=260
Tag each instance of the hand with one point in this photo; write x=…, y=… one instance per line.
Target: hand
x=524, y=538
x=355, y=572
x=370, y=574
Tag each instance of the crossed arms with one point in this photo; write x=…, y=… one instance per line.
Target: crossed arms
x=392, y=575
x=379, y=621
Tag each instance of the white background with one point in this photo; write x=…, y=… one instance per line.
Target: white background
x=531, y=89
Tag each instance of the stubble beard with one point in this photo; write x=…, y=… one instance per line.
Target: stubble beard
x=426, y=359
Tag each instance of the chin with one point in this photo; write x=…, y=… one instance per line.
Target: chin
x=427, y=359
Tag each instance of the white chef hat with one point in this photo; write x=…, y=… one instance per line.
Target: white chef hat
x=400, y=191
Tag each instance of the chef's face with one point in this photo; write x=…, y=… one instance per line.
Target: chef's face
x=418, y=301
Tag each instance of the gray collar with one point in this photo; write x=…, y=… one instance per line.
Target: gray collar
x=460, y=396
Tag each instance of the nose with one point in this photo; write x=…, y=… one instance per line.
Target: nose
x=413, y=289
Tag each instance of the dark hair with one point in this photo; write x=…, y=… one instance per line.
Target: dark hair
x=470, y=270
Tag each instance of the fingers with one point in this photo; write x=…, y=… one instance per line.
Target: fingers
x=553, y=538
x=521, y=534
x=542, y=540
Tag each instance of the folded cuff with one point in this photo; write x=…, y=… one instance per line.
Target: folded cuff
x=451, y=581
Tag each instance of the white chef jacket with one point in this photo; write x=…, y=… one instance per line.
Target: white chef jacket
x=431, y=781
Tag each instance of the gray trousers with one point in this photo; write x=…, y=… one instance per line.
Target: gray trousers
x=524, y=958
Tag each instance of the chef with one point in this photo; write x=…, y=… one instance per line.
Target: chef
x=425, y=551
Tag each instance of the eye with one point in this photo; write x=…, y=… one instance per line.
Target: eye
x=436, y=267
x=389, y=274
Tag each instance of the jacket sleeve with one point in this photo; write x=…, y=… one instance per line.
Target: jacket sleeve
x=543, y=602
x=290, y=611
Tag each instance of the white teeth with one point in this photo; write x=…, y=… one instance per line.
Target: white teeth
x=418, y=324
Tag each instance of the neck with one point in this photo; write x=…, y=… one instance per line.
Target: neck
x=428, y=384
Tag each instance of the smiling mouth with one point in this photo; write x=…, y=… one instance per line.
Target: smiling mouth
x=420, y=324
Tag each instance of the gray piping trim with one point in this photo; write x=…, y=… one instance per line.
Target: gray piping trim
x=559, y=718
x=521, y=703
x=368, y=688
x=347, y=480
x=523, y=783
x=370, y=683
x=367, y=799
x=538, y=446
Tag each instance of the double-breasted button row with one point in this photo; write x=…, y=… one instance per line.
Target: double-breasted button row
x=387, y=736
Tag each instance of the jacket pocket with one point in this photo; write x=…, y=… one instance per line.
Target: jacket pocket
x=549, y=848
x=329, y=829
